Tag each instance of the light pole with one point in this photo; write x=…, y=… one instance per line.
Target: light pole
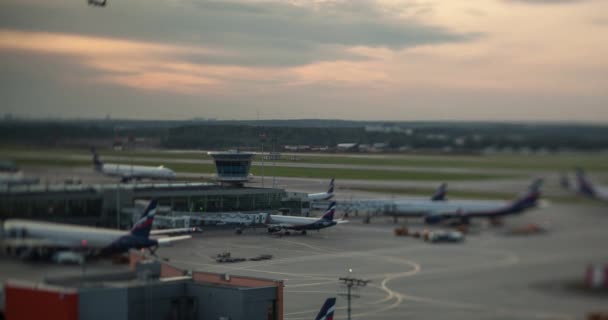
x=351, y=282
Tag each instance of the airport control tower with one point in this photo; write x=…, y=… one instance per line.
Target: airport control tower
x=232, y=166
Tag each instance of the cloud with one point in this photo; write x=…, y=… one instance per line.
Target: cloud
x=602, y=22
x=273, y=33
x=545, y=1
x=384, y=59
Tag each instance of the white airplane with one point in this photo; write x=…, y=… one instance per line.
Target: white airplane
x=128, y=172
x=30, y=239
x=323, y=195
x=438, y=208
x=464, y=210
x=279, y=222
x=97, y=3
x=587, y=188
x=16, y=178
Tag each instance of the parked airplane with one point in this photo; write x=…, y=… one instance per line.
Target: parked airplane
x=279, y=222
x=11, y=175
x=586, y=188
x=97, y=3
x=464, y=210
x=30, y=239
x=128, y=172
x=323, y=195
x=328, y=309
x=16, y=178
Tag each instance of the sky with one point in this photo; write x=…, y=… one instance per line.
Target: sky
x=497, y=60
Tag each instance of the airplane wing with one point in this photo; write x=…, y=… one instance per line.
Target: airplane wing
x=169, y=240
x=341, y=221
x=157, y=232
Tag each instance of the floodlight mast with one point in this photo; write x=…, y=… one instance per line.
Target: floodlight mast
x=351, y=282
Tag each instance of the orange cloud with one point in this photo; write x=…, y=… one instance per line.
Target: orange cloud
x=134, y=64
x=58, y=43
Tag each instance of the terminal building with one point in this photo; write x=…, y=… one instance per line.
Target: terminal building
x=113, y=204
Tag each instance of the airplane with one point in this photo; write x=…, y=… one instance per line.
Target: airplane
x=464, y=210
x=97, y=3
x=31, y=239
x=11, y=175
x=128, y=172
x=327, y=310
x=586, y=188
x=279, y=222
x=16, y=179
x=323, y=195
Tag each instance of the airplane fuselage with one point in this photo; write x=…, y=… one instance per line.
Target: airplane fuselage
x=425, y=207
x=300, y=223
x=16, y=178
x=54, y=236
x=136, y=172
x=62, y=235
x=320, y=196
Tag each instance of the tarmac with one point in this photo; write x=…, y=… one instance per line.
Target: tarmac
x=489, y=276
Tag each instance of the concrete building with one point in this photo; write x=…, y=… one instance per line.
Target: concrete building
x=151, y=291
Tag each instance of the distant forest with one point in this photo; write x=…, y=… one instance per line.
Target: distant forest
x=249, y=135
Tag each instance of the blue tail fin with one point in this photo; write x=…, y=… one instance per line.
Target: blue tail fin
x=97, y=164
x=440, y=194
x=329, y=214
x=584, y=186
x=530, y=198
x=331, y=186
x=328, y=309
x=144, y=224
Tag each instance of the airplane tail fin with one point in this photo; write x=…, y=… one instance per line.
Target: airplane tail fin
x=329, y=213
x=144, y=224
x=584, y=185
x=328, y=309
x=97, y=164
x=440, y=194
x=330, y=190
x=530, y=198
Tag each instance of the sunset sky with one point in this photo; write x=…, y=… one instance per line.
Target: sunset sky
x=363, y=60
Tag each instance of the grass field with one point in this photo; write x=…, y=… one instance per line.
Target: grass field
x=321, y=173
x=591, y=161
x=532, y=163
